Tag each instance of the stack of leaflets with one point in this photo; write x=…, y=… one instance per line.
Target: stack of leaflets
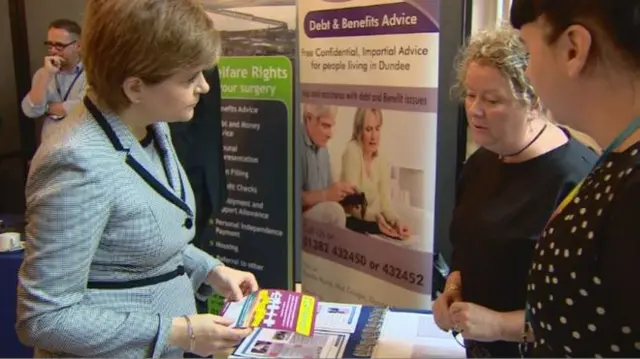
x=302, y=327
x=275, y=309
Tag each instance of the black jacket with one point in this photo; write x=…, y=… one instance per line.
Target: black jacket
x=199, y=144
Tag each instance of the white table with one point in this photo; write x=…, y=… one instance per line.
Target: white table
x=415, y=335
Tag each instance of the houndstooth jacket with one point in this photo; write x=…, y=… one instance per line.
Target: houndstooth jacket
x=98, y=209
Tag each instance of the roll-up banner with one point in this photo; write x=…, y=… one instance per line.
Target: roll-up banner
x=368, y=140
x=254, y=231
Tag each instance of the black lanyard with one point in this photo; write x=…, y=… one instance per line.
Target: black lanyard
x=64, y=98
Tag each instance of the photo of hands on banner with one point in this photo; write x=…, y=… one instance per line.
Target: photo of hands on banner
x=352, y=167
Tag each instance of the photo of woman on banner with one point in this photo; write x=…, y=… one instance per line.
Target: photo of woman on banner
x=321, y=195
x=525, y=166
x=364, y=168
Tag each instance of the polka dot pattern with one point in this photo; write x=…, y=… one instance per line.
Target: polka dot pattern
x=580, y=322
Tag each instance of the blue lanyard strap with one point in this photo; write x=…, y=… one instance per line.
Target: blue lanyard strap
x=73, y=82
x=619, y=140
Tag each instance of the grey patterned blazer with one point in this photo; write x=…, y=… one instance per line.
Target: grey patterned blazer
x=98, y=209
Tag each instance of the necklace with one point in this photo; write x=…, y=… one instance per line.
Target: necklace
x=527, y=146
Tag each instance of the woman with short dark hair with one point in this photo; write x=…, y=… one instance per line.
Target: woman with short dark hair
x=583, y=294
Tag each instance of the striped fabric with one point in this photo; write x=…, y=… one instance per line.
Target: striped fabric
x=91, y=217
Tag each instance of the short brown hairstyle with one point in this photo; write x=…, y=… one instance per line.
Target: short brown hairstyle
x=70, y=26
x=149, y=39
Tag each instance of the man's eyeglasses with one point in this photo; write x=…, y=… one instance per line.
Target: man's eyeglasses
x=58, y=45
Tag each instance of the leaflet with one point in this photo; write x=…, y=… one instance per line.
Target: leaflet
x=338, y=317
x=280, y=310
x=271, y=343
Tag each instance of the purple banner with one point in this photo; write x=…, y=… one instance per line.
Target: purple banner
x=385, y=19
x=410, y=99
x=397, y=264
x=431, y=8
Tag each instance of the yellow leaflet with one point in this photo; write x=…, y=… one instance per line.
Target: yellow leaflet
x=261, y=308
x=306, y=314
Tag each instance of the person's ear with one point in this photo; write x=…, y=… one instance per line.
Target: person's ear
x=133, y=88
x=575, y=45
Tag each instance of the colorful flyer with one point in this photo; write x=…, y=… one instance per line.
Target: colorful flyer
x=275, y=309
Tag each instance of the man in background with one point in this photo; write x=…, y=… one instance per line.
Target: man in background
x=320, y=193
x=59, y=85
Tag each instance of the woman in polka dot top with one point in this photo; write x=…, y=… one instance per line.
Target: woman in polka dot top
x=583, y=294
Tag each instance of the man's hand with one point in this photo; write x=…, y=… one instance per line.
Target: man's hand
x=53, y=64
x=232, y=283
x=338, y=191
x=56, y=109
